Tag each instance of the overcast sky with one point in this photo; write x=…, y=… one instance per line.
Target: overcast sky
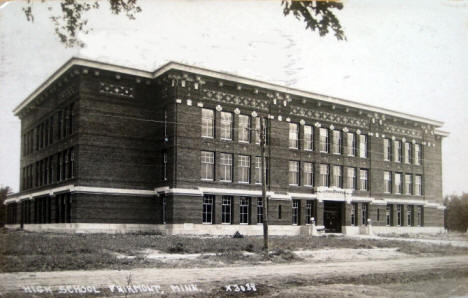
x=403, y=55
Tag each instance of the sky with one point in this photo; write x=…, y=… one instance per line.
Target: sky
x=405, y=55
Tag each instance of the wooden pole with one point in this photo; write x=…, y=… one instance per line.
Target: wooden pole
x=264, y=196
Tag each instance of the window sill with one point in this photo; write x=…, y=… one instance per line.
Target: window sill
x=207, y=137
x=203, y=179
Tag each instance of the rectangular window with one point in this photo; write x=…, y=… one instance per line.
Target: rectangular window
x=351, y=144
x=295, y=212
x=279, y=212
x=417, y=154
x=419, y=213
x=226, y=209
x=257, y=130
x=398, y=184
x=387, y=150
x=324, y=175
x=293, y=136
x=388, y=182
x=207, y=165
x=337, y=142
x=398, y=151
x=388, y=215
x=308, y=174
x=409, y=215
x=351, y=179
x=354, y=209
x=293, y=173
x=363, y=146
x=244, y=210
x=225, y=164
x=364, y=217
x=338, y=176
x=418, y=185
x=226, y=126
x=309, y=212
x=324, y=143
x=207, y=123
x=258, y=170
x=244, y=128
x=308, y=138
x=364, y=178
x=244, y=169
x=399, y=218
x=409, y=184
x=408, y=153
x=208, y=209
x=259, y=210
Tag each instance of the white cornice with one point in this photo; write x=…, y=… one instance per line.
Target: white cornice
x=219, y=75
x=441, y=133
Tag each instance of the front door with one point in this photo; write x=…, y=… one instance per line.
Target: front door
x=332, y=217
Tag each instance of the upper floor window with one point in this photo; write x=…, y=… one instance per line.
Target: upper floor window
x=337, y=142
x=363, y=146
x=351, y=144
x=388, y=181
x=418, y=190
x=257, y=130
x=417, y=154
x=324, y=143
x=351, y=179
x=364, y=178
x=387, y=149
x=244, y=128
x=409, y=184
x=258, y=170
x=225, y=164
x=308, y=138
x=398, y=151
x=398, y=185
x=207, y=123
x=324, y=175
x=293, y=136
x=244, y=168
x=338, y=176
x=308, y=174
x=408, y=153
x=207, y=165
x=226, y=126
x=293, y=172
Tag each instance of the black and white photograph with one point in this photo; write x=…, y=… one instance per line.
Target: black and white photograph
x=233, y=148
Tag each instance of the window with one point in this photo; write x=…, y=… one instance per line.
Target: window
x=279, y=212
x=226, y=126
x=244, y=128
x=293, y=173
x=324, y=175
x=388, y=215
x=351, y=179
x=226, y=209
x=258, y=170
x=309, y=211
x=418, y=185
x=208, y=209
x=244, y=169
x=351, y=144
x=419, y=213
x=408, y=153
x=364, y=217
x=378, y=215
x=337, y=142
x=293, y=136
x=354, y=209
x=324, y=144
x=363, y=146
x=308, y=138
x=295, y=212
x=387, y=150
x=257, y=130
x=398, y=184
x=244, y=210
x=308, y=174
x=164, y=165
x=409, y=184
x=259, y=210
x=364, y=178
x=338, y=176
x=417, y=154
x=226, y=167
x=388, y=182
x=399, y=219
x=207, y=123
x=409, y=215
x=398, y=151
x=207, y=165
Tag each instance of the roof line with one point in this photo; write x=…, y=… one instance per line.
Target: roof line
x=216, y=74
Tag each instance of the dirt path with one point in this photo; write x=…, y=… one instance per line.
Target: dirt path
x=205, y=278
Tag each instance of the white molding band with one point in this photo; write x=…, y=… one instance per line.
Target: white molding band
x=215, y=74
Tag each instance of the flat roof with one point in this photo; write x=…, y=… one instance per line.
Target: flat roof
x=219, y=75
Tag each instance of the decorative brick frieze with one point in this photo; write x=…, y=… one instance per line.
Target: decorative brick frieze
x=116, y=89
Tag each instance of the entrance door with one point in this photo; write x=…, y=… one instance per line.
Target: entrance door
x=332, y=216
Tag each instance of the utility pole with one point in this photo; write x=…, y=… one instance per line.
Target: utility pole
x=264, y=196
